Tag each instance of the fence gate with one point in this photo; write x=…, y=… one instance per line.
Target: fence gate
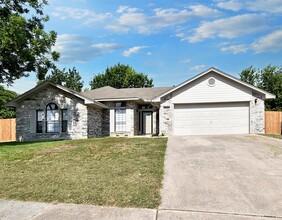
x=7, y=129
x=273, y=122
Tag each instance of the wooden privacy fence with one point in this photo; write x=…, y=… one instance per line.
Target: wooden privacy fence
x=273, y=122
x=7, y=129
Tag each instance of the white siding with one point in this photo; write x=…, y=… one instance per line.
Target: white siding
x=212, y=118
x=129, y=120
x=200, y=92
x=112, y=120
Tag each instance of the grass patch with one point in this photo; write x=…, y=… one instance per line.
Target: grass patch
x=279, y=136
x=124, y=172
x=276, y=149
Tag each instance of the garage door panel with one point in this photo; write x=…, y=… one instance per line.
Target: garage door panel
x=219, y=118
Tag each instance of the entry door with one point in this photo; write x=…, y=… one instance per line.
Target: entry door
x=147, y=122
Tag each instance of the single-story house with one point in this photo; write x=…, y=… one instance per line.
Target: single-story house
x=212, y=102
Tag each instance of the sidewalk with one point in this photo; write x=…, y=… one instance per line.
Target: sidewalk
x=15, y=210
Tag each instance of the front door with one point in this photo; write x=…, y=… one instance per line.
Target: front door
x=147, y=122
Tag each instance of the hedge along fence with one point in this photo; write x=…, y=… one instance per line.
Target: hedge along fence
x=7, y=129
x=273, y=122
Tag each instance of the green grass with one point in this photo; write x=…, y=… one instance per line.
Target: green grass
x=124, y=172
x=274, y=136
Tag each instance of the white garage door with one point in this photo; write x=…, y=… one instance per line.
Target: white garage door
x=219, y=118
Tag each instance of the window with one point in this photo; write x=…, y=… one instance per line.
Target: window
x=120, y=120
x=52, y=119
x=39, y=121
x=64, y=116
x=120, y=104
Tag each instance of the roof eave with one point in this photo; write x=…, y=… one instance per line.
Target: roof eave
x=267, y=94
x=96, y=104
x=118, y=99
x=87, y=101
x=270, y=96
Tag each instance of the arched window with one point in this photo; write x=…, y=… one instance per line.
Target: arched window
x=52, y=119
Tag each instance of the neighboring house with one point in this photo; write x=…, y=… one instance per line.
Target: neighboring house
x=212, y=102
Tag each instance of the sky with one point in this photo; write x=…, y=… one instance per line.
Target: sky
x=170, y=41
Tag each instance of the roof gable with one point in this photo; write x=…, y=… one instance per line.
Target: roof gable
x=87, y=101
x=221, y=73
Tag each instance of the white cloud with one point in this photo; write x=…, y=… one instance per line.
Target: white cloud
x=185, y=61
x=180, y=35
x=123, y=8
x=133, y=19
x=198, y=68
x=271, y=42
x=235, y=49
x=272, y=6
x=77, y=48
x=229, y=27
x=89, y=17
x=233, y=5
x=204, y=11
x=133, y=50
x=149, y=53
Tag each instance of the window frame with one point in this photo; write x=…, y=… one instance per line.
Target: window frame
x=39, y=131
x=122, y=127
x=54, y=122
x=120, y=104
x=64, y=123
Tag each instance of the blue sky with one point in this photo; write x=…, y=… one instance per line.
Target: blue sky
x=170, y=41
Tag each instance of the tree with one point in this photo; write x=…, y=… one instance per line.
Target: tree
x=6, y=96
x=70, y=79
x=268, y=79
x=24, y=45
x=250, y=76
x=271, y=81
x=121, y=76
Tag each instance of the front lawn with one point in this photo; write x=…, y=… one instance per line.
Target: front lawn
x=124, y=172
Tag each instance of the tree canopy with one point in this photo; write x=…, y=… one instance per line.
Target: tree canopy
x=268, y=79
x=5, y=97
x=70, y=79
x=121, y=76
x=24, y=44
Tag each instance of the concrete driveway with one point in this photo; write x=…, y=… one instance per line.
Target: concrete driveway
x=238, y=176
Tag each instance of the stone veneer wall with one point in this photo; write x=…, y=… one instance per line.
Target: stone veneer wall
x=257, y=114
x=77, y=116
x=95, y=122
x=166, y=116
x=106, y=123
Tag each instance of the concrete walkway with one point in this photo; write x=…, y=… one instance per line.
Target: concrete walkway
x=15, y=210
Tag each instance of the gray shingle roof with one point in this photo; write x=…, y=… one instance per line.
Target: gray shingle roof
x=109, y=92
